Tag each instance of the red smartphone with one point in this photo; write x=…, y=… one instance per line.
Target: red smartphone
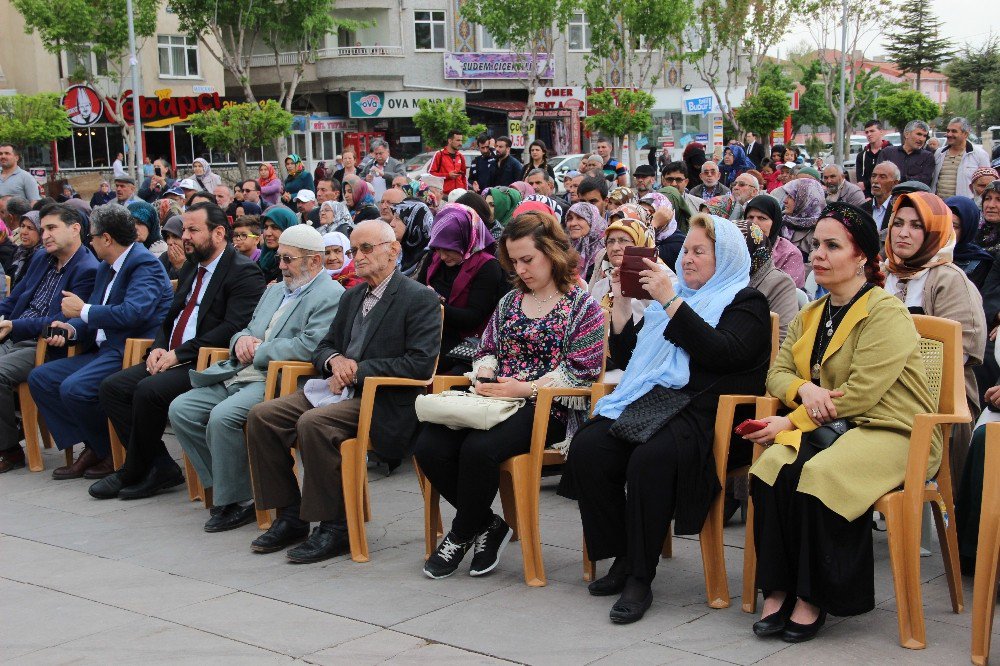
x=631, y=267
x=749, y=426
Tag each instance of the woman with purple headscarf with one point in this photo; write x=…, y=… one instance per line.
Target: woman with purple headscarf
x=585, y=226
x=467, y=279
x=805, y=199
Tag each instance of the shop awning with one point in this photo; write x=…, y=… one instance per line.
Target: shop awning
x=515, y=109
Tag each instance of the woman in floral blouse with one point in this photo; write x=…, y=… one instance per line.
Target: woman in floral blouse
x=547, y=331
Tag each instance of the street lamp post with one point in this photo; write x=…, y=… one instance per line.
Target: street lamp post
x=134, y=64
x=841, y=110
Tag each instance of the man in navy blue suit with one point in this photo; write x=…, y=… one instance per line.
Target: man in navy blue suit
x=131, y=297
x=66, y=264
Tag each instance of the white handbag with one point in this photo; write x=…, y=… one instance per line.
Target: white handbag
x=462, y=409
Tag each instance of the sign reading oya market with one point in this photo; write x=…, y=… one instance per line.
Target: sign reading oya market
x=364, y=104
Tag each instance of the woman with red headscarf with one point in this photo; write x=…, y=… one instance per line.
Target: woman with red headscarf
x=270, y=184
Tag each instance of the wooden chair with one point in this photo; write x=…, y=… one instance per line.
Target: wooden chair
x=710, y=538
x=941, y=348
x=35, y=432
x=984, y=591
x=206, y=357
x=135, y=350
x=520, y=477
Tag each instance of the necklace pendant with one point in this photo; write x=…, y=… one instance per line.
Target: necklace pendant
x=815, y=371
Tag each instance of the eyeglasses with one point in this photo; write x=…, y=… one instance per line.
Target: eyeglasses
x=244, y=236
x=673, y=179
x=624, y=242
x=245, y=190
x=367, y=248
x=287, y=258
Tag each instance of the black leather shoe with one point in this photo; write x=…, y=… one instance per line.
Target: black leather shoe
x=157, y=478
x=800, y=633
x=283, y=533
x=107, y=488
x=611, y=583
x=322, y=544
x=627, y=612
x=775, y=623
x=231, y=517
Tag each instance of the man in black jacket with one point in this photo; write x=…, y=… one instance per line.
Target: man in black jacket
x=508, y=167
x=389, y=326
x=864, y=163
x=483, y=168
x=915, y=162
x=217, y=292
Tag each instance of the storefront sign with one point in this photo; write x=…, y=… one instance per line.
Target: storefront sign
x=515, y=133
x=702, y=105
x=574, y=99
x=409, y=139
x=332, y=125
x=39, y=174
x=83, y=106
x=717, y=130
x=363, y=104
x=497, y=65
x=165, y=110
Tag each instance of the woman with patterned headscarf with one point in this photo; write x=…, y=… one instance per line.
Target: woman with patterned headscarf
x=503, y=201
x=269, y=183
x=359, y=198
x=147, y=227
x=299, y=178
x=777, y=286
x=620, y=196
x=468, y=279
x=585, y=226
x=523, y=188
x=805, y=199
x=412, y=221
x=669, y=238
x=203, y=175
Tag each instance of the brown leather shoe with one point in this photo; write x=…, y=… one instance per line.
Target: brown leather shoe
x=101, y=469
x=11, y=459
x=85, y=461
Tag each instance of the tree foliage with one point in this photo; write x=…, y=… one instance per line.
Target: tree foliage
x=438, y=117
x=764, y=112
x=237, y=128
x=915, y=44
x=813, y=111
x=82, y=27
x=902, y=106
x=623, y=113
x=975, y=70
x=33, y=120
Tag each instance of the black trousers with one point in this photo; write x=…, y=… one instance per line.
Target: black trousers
x=464, y=465
x=807, y=550
x=627, y=493
x=137, y=402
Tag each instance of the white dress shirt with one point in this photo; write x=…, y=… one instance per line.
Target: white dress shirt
x=85, y=312
x=192, y=322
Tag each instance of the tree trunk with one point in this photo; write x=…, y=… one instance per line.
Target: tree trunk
x=241, y=163
x=281, y=151
x=633, y=154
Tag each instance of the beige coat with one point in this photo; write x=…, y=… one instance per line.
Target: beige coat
x=779, y=290
x=874, y=358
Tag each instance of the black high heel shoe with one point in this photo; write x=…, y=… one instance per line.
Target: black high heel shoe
x=774, y=623
x=800, y=633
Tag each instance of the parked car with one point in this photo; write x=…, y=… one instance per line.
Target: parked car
x=561, y=165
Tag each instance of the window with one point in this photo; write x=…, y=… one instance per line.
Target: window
x=178, y=56
x=428, y=30
x=692, y=40
x=488, y=43
x=88, y=63
x=90, y=147
x=579, y=32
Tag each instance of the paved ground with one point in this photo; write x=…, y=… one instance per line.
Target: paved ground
x=83, y=581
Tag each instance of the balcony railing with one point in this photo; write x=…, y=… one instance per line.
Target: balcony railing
x=365, y=51
x=267, y=59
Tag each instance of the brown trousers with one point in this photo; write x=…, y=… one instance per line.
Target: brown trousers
x=274, y=427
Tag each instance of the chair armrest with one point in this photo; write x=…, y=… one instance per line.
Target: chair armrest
x=209, y=355
x=920, y=449
x=42, y=350
x=540, y=425
x=724, y=419
x=290, y=372
x=372, y=385
x=135, y=349
x=448, y=382
x=767, y=406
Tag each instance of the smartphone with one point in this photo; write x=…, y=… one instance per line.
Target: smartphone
x=53, y=331
x=486, y=380
x=158, y=171
x=749, y=426
x=632, y=265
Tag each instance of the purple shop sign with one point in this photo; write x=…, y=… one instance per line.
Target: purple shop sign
x=496, y=65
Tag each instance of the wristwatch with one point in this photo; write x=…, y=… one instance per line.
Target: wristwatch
x=534, y=391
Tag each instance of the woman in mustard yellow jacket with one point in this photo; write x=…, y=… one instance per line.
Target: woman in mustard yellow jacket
x=852, y=355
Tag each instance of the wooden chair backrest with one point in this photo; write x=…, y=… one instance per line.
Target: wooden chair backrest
x=941, y=349
x=173, y=283
x=209, y=355
x=775, y=331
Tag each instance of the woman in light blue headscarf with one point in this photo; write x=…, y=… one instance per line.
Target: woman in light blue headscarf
x=645, y=459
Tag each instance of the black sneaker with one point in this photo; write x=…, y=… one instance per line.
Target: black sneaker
x=489, y=545
x=446, y=558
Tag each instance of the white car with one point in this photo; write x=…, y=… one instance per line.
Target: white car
x=561, y=165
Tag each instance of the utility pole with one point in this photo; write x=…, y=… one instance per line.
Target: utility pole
x=841, y=111
x=134, y=63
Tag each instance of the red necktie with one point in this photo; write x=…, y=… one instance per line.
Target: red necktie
x=178, y=337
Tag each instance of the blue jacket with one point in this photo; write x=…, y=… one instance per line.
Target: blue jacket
x=77, y=276
x=136, y=306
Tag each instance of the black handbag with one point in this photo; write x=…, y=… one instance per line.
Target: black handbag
x=464, y=351
x=642, y=418
x=827, y=434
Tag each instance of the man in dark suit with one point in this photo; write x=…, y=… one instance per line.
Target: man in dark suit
x=130, y=298
x=389, y=326
x=754, y=149
x=217, y=292
x=66, y=264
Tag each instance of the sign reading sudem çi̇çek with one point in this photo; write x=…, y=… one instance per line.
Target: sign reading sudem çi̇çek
x=364, y=104
x=497, y=65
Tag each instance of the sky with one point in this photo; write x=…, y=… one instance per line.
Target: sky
x=963, y=21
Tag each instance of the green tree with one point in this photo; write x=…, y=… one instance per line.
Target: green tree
x=622, y=113
x=812, y=111
x=438, y=117
x=902, y=106
x=33, y=120
x=774, y=77
x=237, y=128
x=915, y=44
x=870, y=86
x=99, y=27
x=527, y=27
x=764, y=112
x=974, y=70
